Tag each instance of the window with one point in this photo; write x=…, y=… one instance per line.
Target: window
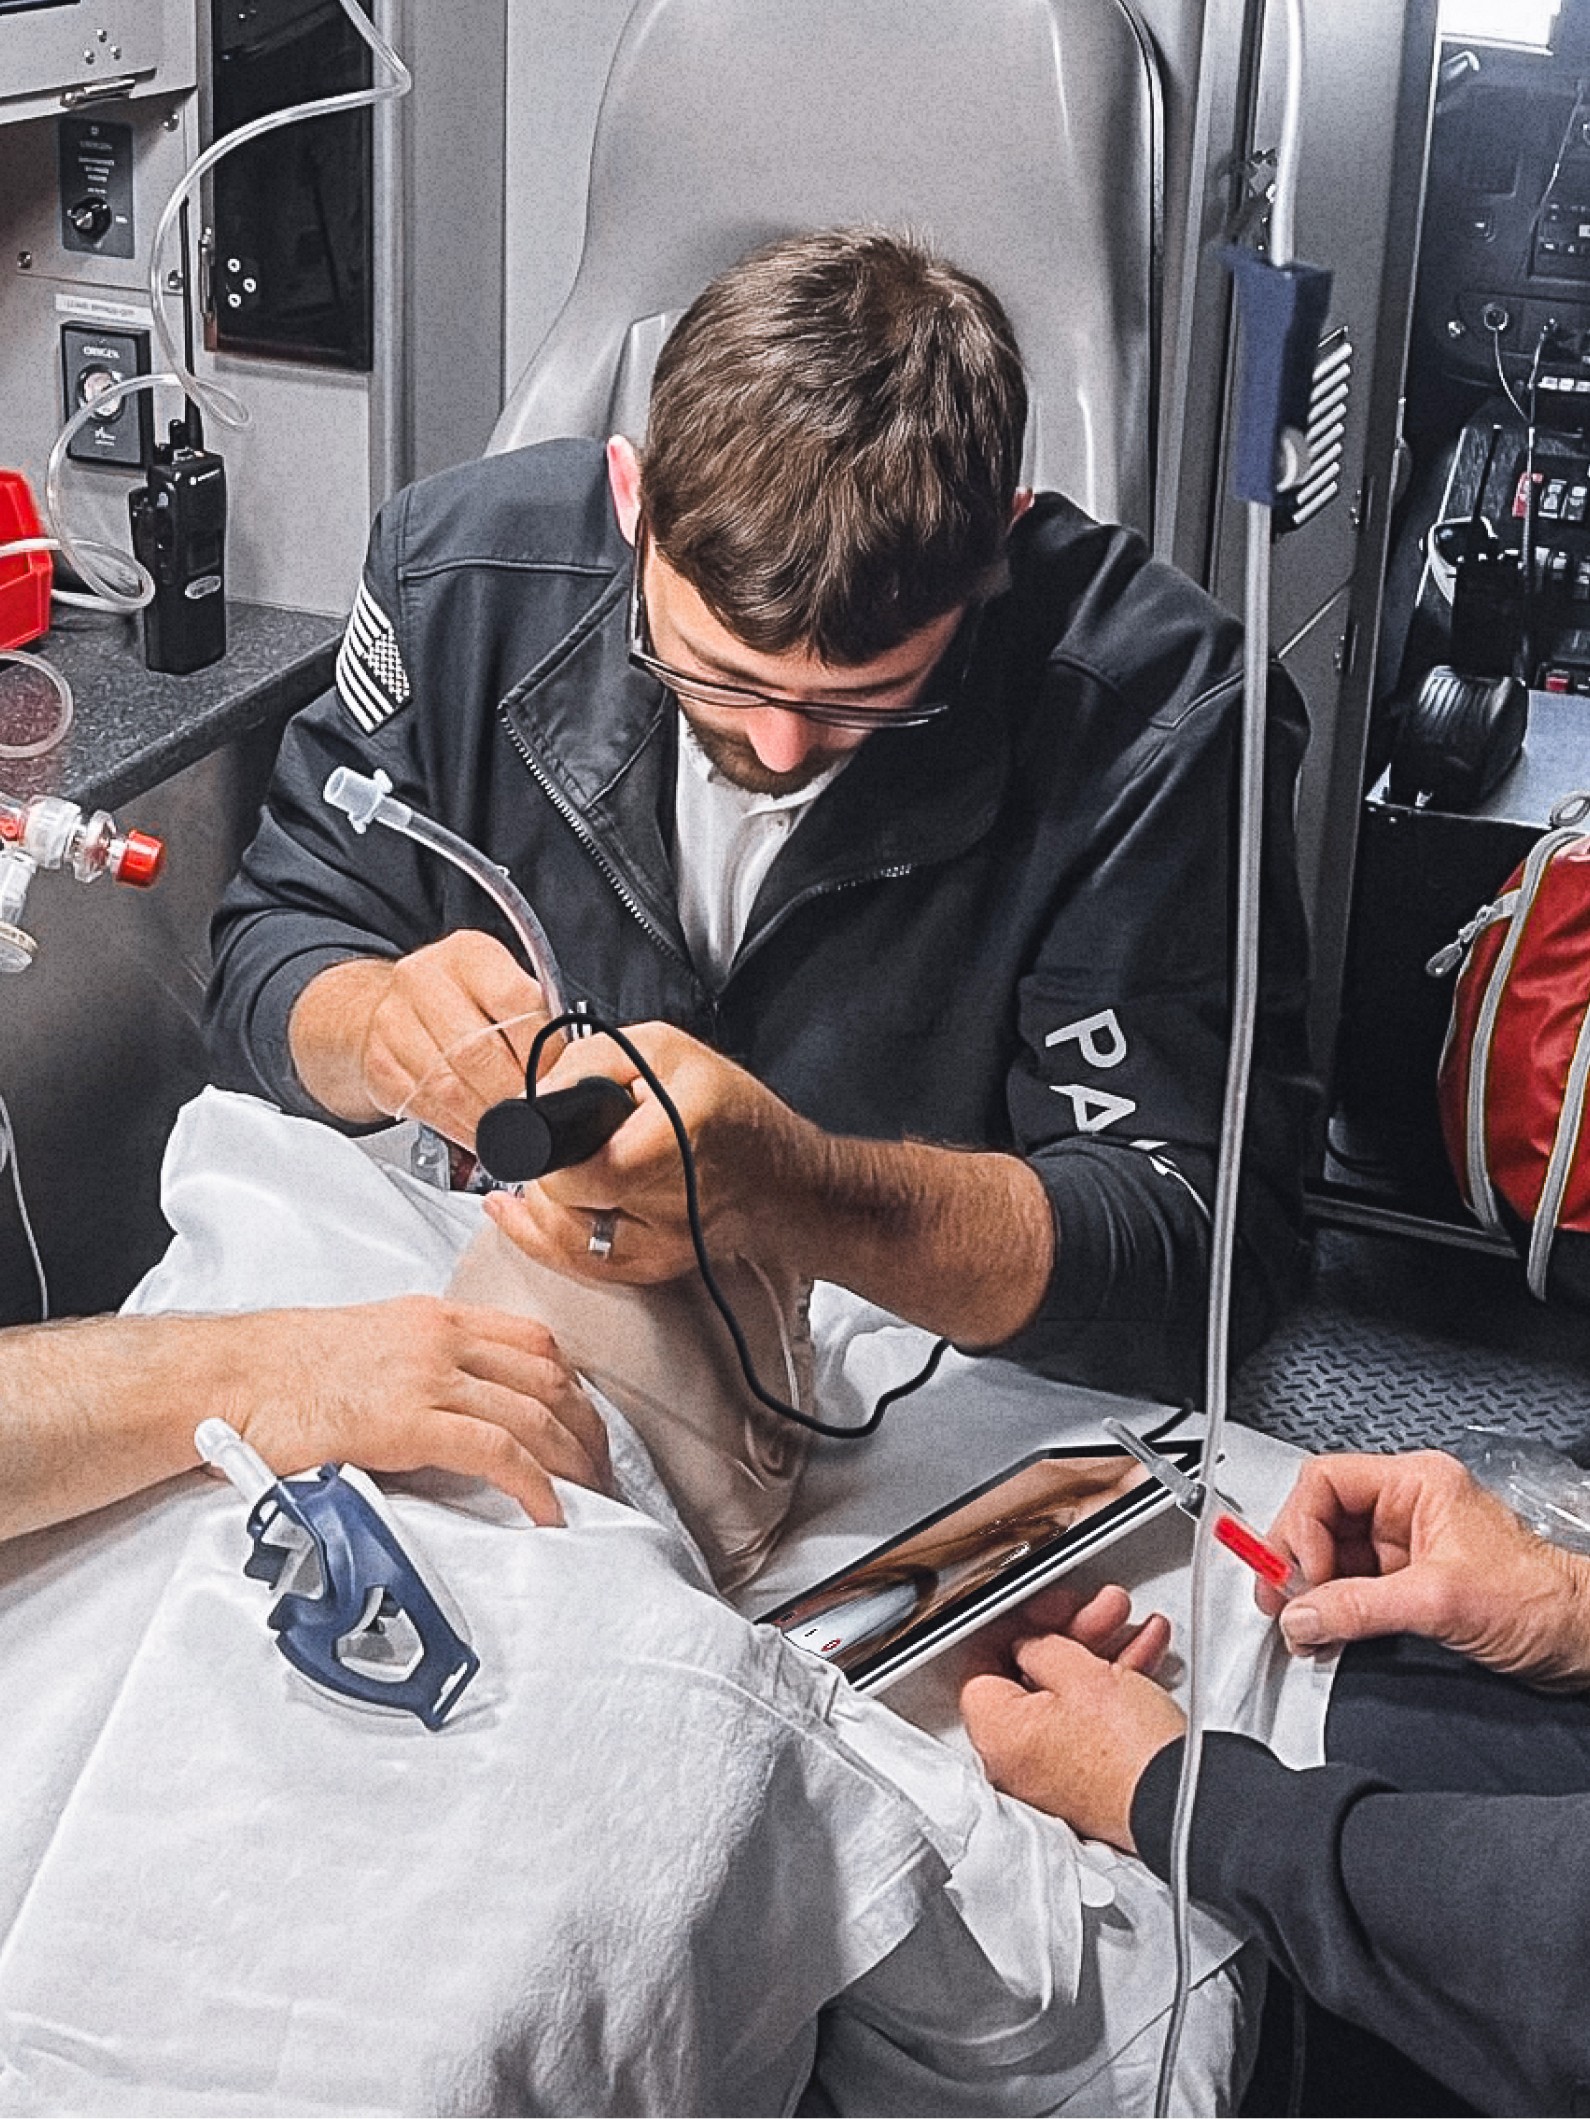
x=1500, y=21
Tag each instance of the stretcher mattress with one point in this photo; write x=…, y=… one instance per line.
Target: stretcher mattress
x=658, y=1860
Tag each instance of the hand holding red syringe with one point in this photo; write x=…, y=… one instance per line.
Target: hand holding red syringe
x=1231, y=1527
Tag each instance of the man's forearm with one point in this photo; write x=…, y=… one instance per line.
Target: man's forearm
x=91, y=1411
x=1402, y=1911
x=960, y=1242
x=330, y=1023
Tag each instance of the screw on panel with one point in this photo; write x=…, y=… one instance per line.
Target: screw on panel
x=24, y=261
x=174, y=281
x=1454, y=329
x=103, y=35
x=88, y=55
x=171, y=121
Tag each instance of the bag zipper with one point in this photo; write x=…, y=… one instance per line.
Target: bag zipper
x=1448, y=959
x=1563, y=1149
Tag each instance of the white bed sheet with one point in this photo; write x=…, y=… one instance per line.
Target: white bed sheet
x=1035, y=1978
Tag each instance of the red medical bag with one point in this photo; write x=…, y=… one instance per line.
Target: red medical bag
x=1515, y=1069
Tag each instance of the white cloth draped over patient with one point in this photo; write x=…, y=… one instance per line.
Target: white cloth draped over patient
x=653, y=1842
x=664, y=1357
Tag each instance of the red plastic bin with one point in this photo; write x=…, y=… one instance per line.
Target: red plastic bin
x=26, y=576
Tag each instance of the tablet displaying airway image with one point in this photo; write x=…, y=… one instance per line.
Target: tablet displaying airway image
x=907, y=1600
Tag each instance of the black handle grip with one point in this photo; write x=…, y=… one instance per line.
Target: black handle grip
x=526, y=1138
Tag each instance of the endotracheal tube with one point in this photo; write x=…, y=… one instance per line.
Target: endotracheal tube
x=365, y=800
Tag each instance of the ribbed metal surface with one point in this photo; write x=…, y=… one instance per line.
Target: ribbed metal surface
x=1399, y=1345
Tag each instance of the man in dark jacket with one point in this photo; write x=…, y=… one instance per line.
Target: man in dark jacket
x=888, y=807
x=1431, y=1883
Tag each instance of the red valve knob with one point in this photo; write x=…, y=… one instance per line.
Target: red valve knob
x=140, y=859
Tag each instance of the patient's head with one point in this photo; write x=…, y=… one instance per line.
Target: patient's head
x=834, y=444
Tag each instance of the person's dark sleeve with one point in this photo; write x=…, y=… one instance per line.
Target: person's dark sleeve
x=1122, y=1125
x=1456, y=1927
x=309, y=892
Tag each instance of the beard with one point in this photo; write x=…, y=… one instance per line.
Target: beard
x=736, y=759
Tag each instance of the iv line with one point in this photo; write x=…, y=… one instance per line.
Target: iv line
x=1244, y=1015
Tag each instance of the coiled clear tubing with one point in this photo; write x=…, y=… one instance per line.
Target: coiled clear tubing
x=210, y=397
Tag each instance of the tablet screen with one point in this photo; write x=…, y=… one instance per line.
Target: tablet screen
x=944, y=1576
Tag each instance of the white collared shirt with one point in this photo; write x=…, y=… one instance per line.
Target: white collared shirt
x=725, y=841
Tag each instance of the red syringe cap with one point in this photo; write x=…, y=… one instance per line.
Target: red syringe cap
x=139, y=859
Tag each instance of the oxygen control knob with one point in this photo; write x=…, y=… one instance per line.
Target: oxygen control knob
x=91, y=218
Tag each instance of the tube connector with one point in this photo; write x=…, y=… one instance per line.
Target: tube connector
x=220, y=1444
x=366, y=799
x=46, y=831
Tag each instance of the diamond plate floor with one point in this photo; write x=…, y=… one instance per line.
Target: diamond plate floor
x=1398, y=1345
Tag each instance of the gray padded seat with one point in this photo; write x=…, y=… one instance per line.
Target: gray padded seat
x=1020, y=137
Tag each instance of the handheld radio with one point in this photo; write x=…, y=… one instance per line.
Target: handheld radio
x=179, y=533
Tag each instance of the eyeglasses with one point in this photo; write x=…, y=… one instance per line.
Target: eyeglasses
x=742, y=698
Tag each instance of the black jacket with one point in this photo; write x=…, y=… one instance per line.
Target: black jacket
x=962, y=897
x=1455, y=1926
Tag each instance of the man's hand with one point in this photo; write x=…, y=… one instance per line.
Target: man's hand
x=1414, y=1544
x=373, y=1039
x=1067, y=1720
x=98, y=1408
x=958, y=1241
x=748, y=1148
x=401, y=1386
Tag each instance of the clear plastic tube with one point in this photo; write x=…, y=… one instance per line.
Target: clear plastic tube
x=365, y=801
x=220, y=1444
x=118, y=583
x=135, y=586
x=210, y=396
x=461, y=1044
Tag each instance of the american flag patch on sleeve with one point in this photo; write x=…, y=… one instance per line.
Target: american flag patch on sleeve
x=371, y=679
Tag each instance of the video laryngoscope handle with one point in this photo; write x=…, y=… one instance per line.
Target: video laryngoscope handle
x=525, y=1138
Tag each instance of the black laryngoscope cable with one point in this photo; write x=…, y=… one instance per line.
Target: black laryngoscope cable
x=583, y=1020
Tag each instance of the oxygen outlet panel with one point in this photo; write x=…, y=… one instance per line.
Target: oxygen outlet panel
x=92, y=359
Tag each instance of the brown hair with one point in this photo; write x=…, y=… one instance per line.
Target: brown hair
x=834, y=443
